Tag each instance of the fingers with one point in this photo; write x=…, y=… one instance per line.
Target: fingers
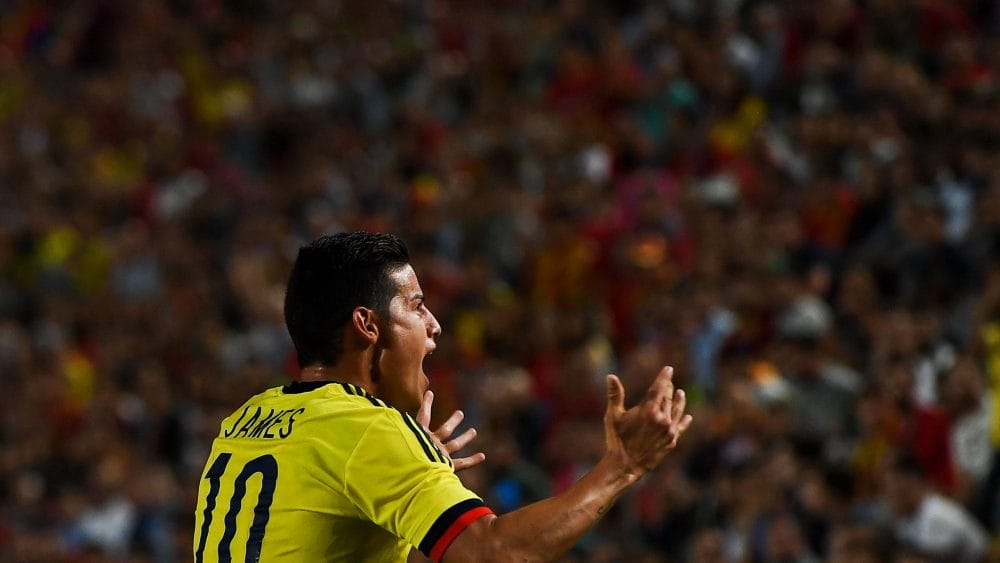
x=681, y=427
x=668, y=405
x=684, y=423
x=460, y=442
x=662, y=388
x=467, y=462
x=453, y=446
x=616, y=394
x=677, y=405
x=424, y=414
x=445, y=430
x=678, y=420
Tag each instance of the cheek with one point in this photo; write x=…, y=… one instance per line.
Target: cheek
x=409, y=338
x=400, y=352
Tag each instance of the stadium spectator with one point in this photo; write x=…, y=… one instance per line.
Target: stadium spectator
x=160, y=162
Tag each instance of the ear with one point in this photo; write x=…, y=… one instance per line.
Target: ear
x=363, y=320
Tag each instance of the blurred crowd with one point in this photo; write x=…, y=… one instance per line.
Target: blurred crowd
x=795, y=203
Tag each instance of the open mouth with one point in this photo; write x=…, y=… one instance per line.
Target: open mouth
x=423, y=363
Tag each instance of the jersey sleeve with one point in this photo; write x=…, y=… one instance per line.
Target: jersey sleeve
x=398, y=479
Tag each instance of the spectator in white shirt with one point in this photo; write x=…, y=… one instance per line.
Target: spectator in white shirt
x=928, y=522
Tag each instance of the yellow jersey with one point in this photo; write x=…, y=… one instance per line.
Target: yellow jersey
x=324, y=471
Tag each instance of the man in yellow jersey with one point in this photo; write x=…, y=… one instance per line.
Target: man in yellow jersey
x=338, y=465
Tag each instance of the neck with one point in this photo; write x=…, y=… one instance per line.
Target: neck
x=326, y=373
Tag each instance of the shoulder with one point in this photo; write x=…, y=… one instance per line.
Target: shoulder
x=398, y=435
x=941, y=510
x=349, y=416
x=254, y=401
x=339, y=412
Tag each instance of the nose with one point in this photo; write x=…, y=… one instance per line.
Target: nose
x=433, y=327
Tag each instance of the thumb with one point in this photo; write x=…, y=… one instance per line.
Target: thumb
x=424, y=413
x=616, y=394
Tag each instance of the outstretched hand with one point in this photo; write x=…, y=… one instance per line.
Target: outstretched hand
x=444, y=432
x=641, y=436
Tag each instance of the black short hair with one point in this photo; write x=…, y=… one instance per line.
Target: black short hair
x=332, y=276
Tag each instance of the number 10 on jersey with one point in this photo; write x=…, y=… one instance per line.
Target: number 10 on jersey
x=267, y=467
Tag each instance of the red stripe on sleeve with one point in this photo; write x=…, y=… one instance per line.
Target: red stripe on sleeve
x=456, y=528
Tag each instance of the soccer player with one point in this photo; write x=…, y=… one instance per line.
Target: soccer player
x=338, y=465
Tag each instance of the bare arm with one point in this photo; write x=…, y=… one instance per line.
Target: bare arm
x=637, y=440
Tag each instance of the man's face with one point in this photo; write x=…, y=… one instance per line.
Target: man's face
x=405, y=338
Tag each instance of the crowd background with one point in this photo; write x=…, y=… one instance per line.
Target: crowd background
x=795, y=203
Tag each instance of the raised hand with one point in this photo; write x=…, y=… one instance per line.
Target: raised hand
x=641, y=436
x=443, y=433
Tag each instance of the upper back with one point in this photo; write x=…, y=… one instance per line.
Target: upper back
x=290, y=476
